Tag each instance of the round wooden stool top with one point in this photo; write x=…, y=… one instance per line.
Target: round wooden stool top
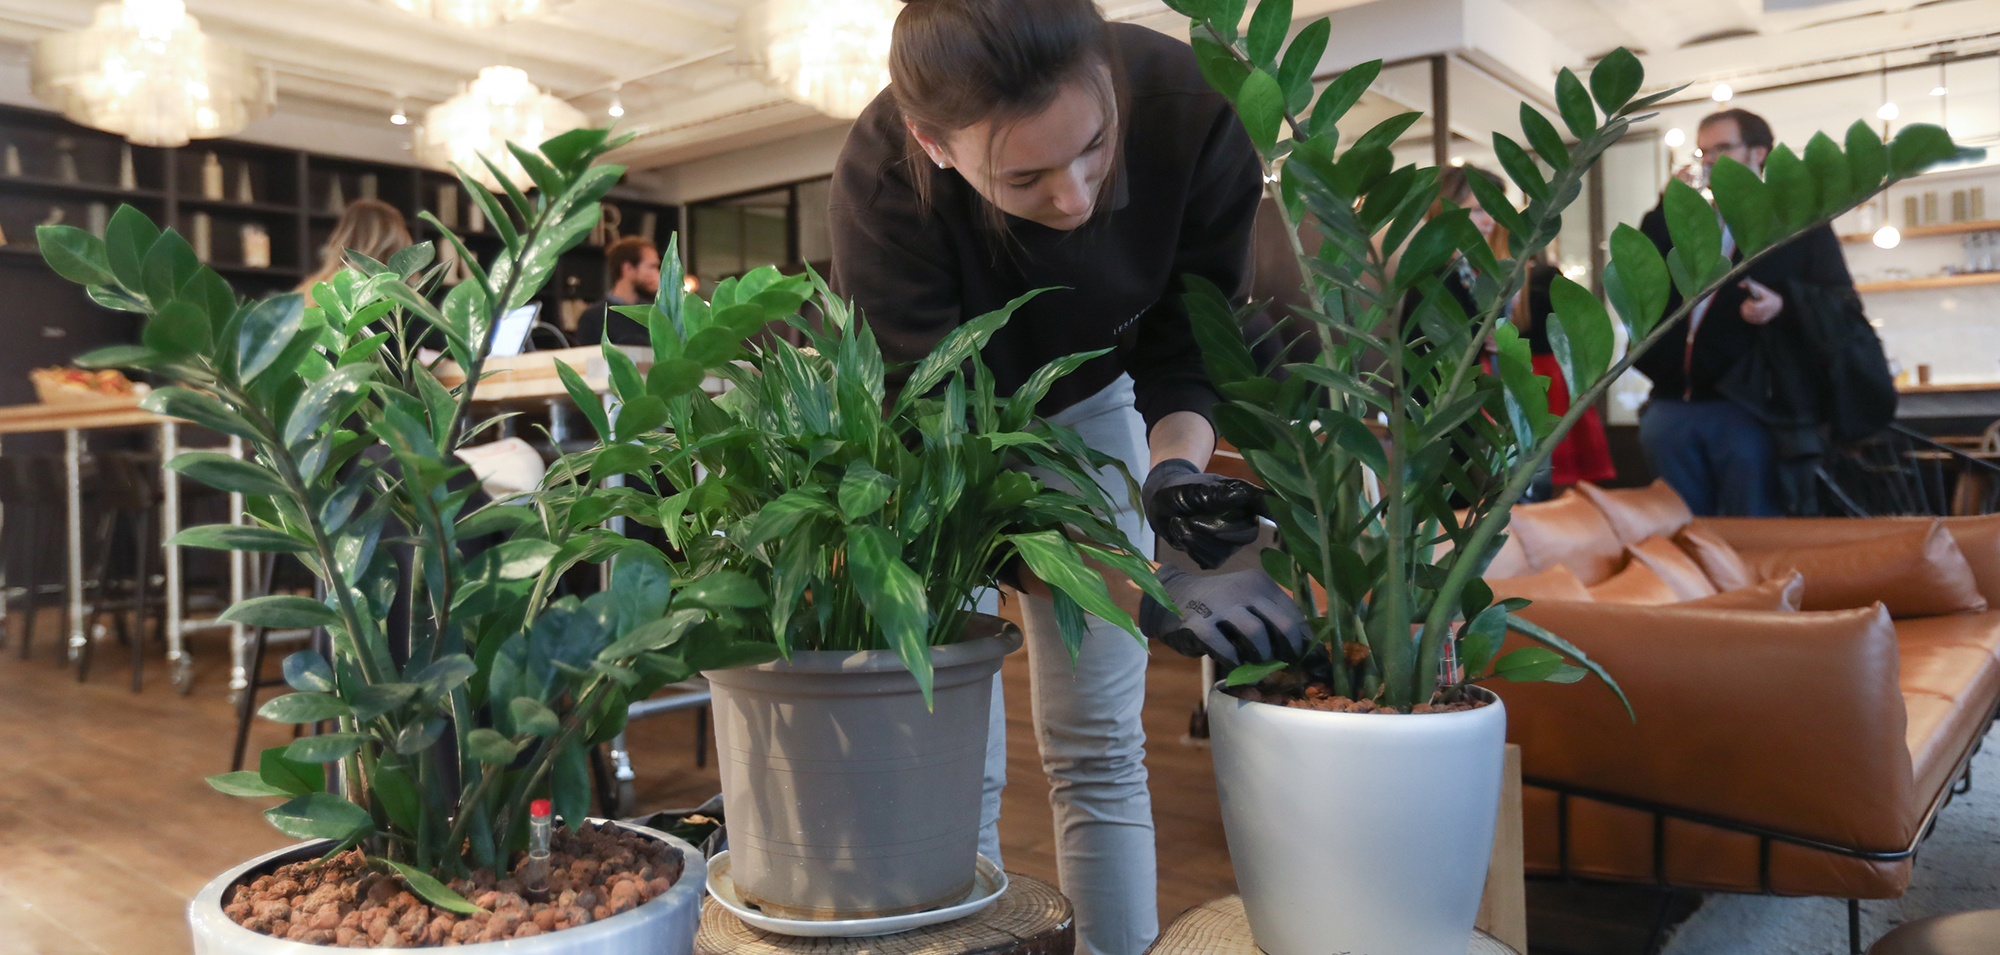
x=1219, y=928
x=1961, y=933
x=1030, y=918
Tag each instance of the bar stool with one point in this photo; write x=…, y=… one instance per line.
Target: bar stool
x=31, y=490
x=123, y=493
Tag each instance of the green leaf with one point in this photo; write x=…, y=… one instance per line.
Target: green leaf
x=488, y=746
x=119, y=356
x=1697, y=236
x=168, y=265
x=571, y=151
x=179, y=328
x=1223, y=350
x=1535, y=632
x=1828, y=168
x=320, y=816
x=307, y=670
x=531, y=717
x=674, y=377
x=267, y=329
x=1615, y=79
x=1266, y=35
x=1574, y=103
x=586, y=399
x=1521, y=168
x=1746, y=204
x=951, y=351
x=282, y=611
x=1918, y=147
x=1867, y=160
x=1793, y=192
x=655, y=635
x=446, y=674
x=640, y=416
x=1057, y=562
x=1261, y=105
x=1636, y=280
x=371, y=700
x=226, y=473
x=1580, y=333
x=127, y=239
x=894, y=596
x=304, y=708
x=1481, y=638
x=290, y=775
x=324, y=748
x=569, y=784
x=75, y=254
x=1222, y=70
x=1250, y=673
x=513, y=560
x=1542, y=135
x=1295, y=74
x=244, y=783
x=397, y=796
x=1528, y=665
x=429, y=889
x=323, y=398
x=239, y=537
x=863, y=491
x=1341, y=95
x=494, y=519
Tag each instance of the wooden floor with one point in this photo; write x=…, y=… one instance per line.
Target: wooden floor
x=106, y=828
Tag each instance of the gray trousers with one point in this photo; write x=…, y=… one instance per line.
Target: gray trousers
x=1088, y=729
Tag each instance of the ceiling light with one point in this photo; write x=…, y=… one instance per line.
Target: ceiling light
x=1938, y=91
x=399, y=117
x=1675, y=137
x=1888, y=112
x=833, y=57
x=690, y=284
x=499, y=107
x=617, y=106
x=1887, y=237
x=1721, y=93
x=475, y=13
x=143, y=69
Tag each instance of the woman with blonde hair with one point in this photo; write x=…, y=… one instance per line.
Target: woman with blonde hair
x=369, y=226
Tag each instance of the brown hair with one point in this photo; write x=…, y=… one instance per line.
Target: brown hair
x=626, y=251
x=1755, y=132
x=955, y=63
x=1454, y=184
x=369, y=226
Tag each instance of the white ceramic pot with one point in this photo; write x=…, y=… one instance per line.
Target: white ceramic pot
x=663, y=926
x=1360, y=834
x=846, y=798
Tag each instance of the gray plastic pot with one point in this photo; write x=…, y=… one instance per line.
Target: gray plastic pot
x=663, y=926
x=846, y=799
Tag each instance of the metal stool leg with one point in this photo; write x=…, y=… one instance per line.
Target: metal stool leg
x=107, y=527
x=32, y=517
x=246, y=705
x=143, y=533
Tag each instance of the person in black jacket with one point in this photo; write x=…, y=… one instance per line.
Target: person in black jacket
x=634, y=266
x=1023, y=145
x=1713, y=450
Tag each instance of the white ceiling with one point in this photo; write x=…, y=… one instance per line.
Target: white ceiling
x=687, y=93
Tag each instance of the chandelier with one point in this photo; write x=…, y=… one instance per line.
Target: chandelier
x=475, y=13
x=832, y=56
x=499, y=107
x=143, y=69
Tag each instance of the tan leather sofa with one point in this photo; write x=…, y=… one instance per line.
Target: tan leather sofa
x=1795, y=752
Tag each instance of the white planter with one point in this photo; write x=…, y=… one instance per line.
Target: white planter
x=1353, y=833
x=663, y=926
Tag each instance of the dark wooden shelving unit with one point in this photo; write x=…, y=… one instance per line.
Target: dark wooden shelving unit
x=67, y=173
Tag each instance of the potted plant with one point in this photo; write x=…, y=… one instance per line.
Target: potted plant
x=462, y=689
x=1349, y=831
x=847, y=527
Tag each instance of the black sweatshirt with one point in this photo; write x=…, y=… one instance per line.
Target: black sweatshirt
x=1185, y=204
x=1724, y=337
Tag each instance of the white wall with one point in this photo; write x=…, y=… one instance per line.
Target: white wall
x=806, y=156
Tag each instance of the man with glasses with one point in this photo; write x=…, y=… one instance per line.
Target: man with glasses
x=1716, y=451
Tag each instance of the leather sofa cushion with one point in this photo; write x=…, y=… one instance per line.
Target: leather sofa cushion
x=1978, y=537
x=1917, y=573
x=1555, y=583
x=1569, y=531
x=1636, y=584
x=1777, y=595
x=1673, y=565
x=1720, y=561
x=1637, y=513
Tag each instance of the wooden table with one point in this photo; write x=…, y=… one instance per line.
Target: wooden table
x=1220, y=928
x=1031, y=918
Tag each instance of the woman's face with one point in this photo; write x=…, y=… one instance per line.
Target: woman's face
x=1046, y=168
x=1481, y=220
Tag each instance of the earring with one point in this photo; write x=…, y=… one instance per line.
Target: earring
x=942, y=164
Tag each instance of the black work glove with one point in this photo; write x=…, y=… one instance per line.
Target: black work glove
x=1240, y=617
x=1207, y=516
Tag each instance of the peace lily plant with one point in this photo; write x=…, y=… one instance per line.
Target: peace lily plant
x=490, y=691
x=1396, y=599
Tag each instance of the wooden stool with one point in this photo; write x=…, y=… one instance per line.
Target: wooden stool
x=1220, y=928
x=1961, y=933
x=1030, y=918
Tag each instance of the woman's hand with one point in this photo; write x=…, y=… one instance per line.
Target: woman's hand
x=1763, y=305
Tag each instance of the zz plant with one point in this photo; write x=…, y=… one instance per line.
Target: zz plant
x=1363, y=447
x=831, y=514
x=461, y=686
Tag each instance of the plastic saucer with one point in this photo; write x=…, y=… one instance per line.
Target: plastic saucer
x=988, y=882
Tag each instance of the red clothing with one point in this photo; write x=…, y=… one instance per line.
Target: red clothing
x=1584, y=454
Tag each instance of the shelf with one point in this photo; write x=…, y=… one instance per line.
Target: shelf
x=79, y=188
x=1927, y=231
x=1930, y=281
x=231, y=205
x=277, y=271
